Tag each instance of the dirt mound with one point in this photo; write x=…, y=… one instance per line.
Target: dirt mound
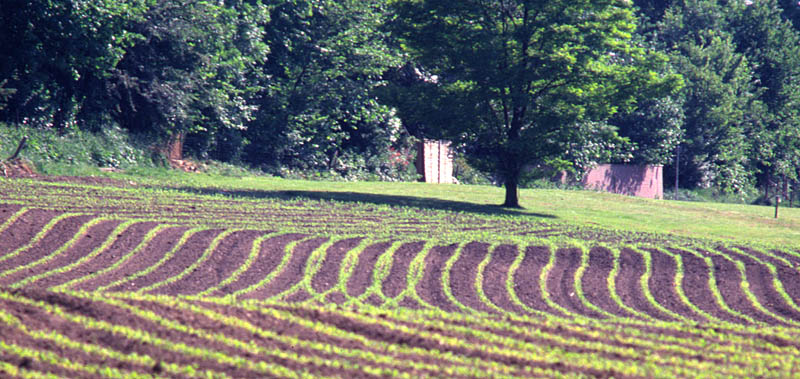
x=17, y=168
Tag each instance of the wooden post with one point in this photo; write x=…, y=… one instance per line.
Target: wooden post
x=19, y=148
x=677, y=170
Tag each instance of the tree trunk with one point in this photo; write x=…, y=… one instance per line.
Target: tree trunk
x=512, y=192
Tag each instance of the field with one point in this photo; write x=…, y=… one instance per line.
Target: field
x=111, y=278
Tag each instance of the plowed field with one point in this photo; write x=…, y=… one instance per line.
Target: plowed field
x=100, y=281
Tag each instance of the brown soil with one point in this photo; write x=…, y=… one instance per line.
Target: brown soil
x=729, y=283
x=561, y=282
x=430, y=287
x=695, y=286
x=23, y=229
x=595, y=282
x=395, y=282
x=124, y=243
x=328, y=274
x=148, y=256
x=628, y=284
x=230, y=254
x=663, y=288
x=495, y=275
x=292, y=274
x=270, y=256
x=93, y=238
x=61, y=233
x=526, y=279
x=463, y=274
x=361, y=278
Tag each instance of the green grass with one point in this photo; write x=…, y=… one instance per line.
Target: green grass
x=738, y=223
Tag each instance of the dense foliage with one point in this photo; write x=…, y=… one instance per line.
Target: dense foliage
x=339, y=87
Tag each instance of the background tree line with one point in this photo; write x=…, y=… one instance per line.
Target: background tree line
x=342, y=87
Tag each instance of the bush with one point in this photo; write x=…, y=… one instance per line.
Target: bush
x=52, y=153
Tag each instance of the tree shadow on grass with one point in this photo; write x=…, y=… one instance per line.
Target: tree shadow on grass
x=370, y=198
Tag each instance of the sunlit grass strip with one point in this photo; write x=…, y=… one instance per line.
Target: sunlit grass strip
x=644, y=281
x=445, y=280
x=712, y=284
x=203, y=258
x=145, y=241
x=348, y=265
x=255, y=250
x=416, y=271
x=678, y=286
x=75, y=238
x=479, y=279
x=94, y=253
x=578, y=282
x=9, y=221
x=98, y=351
x=388, y=357
x=382, y=269
x=248, y=347
x=287, y=256
x=145, y=336
x=38, y=237
x=178, y=245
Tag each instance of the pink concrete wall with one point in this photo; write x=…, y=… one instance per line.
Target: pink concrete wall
x=434, y=161
x=634, y=180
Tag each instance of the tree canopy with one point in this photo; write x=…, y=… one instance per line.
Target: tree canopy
x=514, y=81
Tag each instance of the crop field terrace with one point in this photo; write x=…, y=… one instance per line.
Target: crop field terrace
x=111, y=279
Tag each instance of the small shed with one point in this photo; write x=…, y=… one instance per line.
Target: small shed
x=634, y=180
x=435, y=161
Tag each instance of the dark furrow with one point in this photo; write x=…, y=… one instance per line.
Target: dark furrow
x=561, y=282
x=269, y=257
x=395, y=282
x=595, y=282
x=494, y=278
x=629, y=287
x=94, y=237
x=463, y=275
x=230, y=254
x=662, y=285
x=56, y=237
x=184, y=257
x=361, y=278
x=729, y=283
x=124, y=243
x=328, y=274
x=526, y=279
x=293, y=272
x=148, y=256
x=23, y=229
x=429, y=288
x=760, y=279
x=695, y=287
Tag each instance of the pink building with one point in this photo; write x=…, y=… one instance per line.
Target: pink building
x=634, y=180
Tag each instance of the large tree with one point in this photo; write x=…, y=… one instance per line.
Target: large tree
x=517, y=81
